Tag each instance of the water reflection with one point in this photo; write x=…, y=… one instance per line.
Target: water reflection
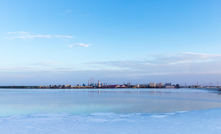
x=16, y=102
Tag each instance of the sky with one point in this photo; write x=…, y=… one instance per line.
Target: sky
x=47, y=42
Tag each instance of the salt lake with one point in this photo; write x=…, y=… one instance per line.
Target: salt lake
x=109, y=111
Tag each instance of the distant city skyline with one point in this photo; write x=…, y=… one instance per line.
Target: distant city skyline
x=117, y=41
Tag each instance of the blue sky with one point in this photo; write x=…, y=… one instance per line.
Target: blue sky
x=115, y=41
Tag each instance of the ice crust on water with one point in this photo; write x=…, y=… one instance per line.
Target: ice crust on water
x=197, y=122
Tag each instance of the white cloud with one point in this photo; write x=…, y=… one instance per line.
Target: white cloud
x=83, y=45
x=26, y=35
x=80, y=44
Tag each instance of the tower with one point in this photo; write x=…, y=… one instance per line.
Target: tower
x=99, y=84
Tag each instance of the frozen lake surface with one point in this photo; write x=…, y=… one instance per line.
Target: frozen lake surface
x=109, y=111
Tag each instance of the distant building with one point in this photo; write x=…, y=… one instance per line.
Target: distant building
x=152, y=85
x=116, y=86
x=143, y=85
x=99, y=84
x=122, y=86
x=128, y=84
x=137, y=85
x=170, y=86
x=167, y=84
x=53, y=86
x=113, y=86
x=69, y=86
x=59, y=86
x=177, y=86
x=159, y=85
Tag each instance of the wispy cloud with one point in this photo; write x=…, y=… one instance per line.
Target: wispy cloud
x=19, y=32
x=18, y=68
x=185, y=62
x=35, y=69
x=26, y=35
x=183, y=57
x=67, y=11
x=46, y=63
x=80, y=45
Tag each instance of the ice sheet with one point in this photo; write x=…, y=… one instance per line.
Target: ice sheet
x=182, y=122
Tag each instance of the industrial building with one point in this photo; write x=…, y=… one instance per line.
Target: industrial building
x=152, y=85
x=159, y=85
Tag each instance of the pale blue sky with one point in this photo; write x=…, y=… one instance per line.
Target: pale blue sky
x=68, y=42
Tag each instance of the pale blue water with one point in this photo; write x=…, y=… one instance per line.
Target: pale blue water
x=109, y=111
x=72, y=101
